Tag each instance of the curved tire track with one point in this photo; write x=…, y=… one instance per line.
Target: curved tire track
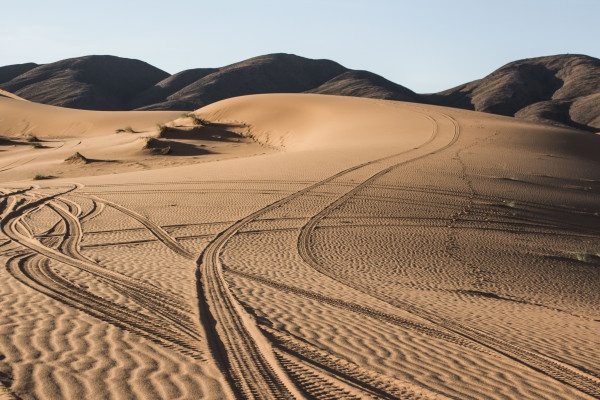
x=244, y=354
x=34, y=271
x=156, y=230
x=181, y=328
x=561, y=372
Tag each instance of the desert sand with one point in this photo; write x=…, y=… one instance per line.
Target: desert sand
x=297, y=246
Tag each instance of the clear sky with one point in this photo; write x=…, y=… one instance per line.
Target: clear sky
x=425, y=45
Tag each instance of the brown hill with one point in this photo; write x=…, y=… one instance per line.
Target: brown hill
x=113, y=83
x=90, y=83
x=161, y=93
x=273, y=73
x=9, y=72
x=560, y=90
x=366, y=84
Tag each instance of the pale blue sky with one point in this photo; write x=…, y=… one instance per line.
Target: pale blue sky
x=426, y=45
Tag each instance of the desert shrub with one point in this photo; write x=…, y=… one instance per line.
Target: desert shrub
x=582, y=256
x=127, y=129
x=509, y=203
x=40, y=176
x=162, y=130
x=196, y=120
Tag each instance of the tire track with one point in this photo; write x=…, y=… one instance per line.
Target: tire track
x=561, y=372
x=96, y=210
x=314, y=384
x=431, y=331
x=181, y=328
x=155, y=229
x=168, y=306
x=242, y=351
x=368, y=381
x=34, y=271
x=141, y=241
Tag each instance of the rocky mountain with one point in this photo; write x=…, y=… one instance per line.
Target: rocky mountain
x=12, y=71
x=366, y=84
x=560, y=90
x=112, y=83
x=90, y=83
x=277, y=73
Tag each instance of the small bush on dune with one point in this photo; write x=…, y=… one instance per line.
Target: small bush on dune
x=583, y=256
x=162, y=130
x=509, y=203
x=127, y=129
x=196, y=120
x=156, y=146
x=32, y=138
x=77, y=158
x=39, y=177
x=36, y=145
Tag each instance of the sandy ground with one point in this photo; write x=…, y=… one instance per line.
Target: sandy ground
x=325, y=247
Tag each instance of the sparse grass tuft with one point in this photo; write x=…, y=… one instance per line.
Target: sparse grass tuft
x=36, y=145
x=509, y=203
x=196, y=120
x=162, y=130
x=127, y=129
x=39, y=177
x=583, y=256
x=32, y=138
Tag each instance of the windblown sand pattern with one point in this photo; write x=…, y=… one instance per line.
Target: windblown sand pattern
x=377, y=249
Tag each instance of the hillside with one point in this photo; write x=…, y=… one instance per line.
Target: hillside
x=559, y=90
x=279, y=73
x=105, y=83
x=89, y=83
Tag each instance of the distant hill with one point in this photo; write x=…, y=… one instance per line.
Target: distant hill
x=366, y=84
x=559, y=90
x=276, y=73
x=90, y=83
x=12, y=71
x=162, y=96
x=113, y=83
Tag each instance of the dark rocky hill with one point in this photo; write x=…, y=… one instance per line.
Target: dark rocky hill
x=272, y=73
x=160, y=94
x=12, y=71
x=560, y=90
x=91, y=82
x=366, y=84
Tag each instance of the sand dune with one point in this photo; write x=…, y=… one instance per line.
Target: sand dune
x=37, y=139
x=4, y=93
x=355, y=248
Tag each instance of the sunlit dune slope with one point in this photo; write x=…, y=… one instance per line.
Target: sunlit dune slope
x=18, y=118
